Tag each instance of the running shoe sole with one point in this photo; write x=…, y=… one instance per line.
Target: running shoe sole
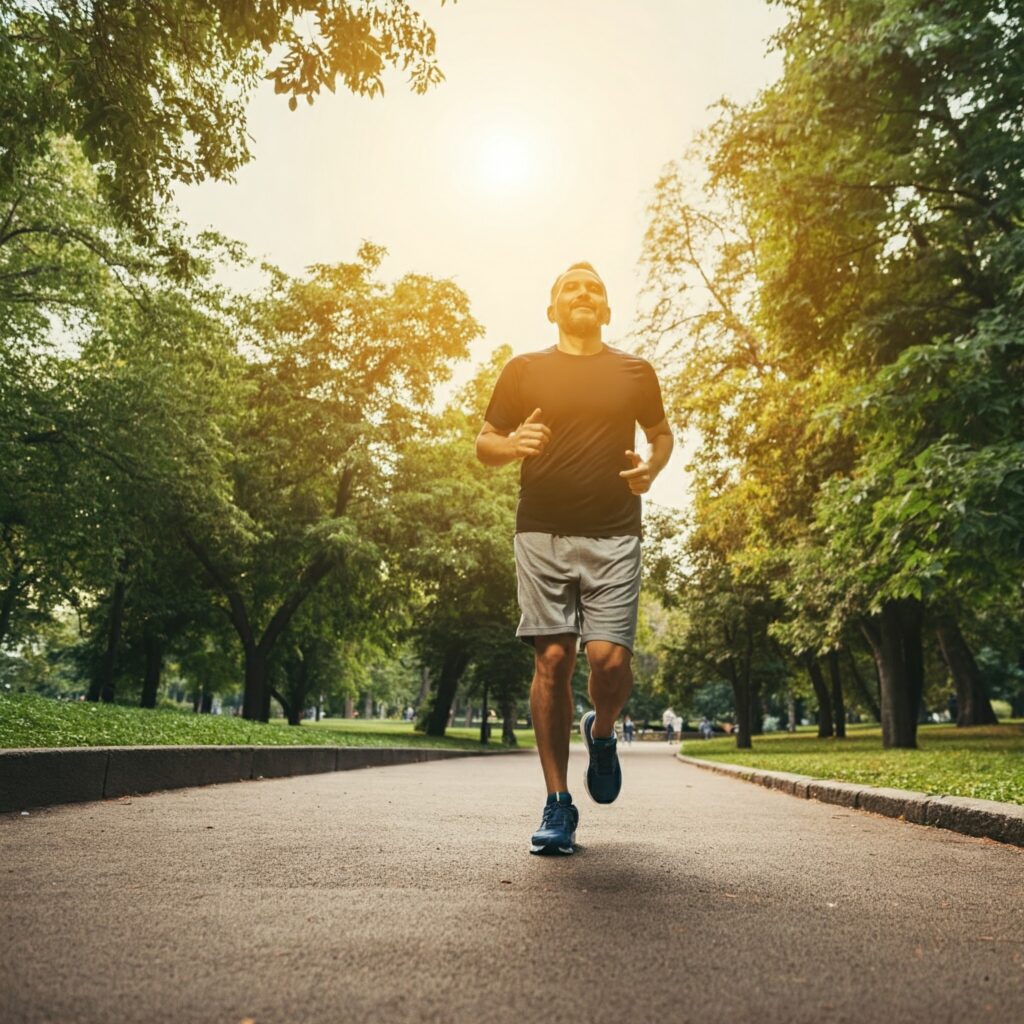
x=554, y=848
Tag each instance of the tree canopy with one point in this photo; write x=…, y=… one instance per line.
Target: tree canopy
x=842, y=302
x=156, y=93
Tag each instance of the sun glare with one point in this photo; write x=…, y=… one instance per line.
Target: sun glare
x=504, y=161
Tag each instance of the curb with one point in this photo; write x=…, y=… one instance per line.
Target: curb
x=985, y=819
x=43, y=777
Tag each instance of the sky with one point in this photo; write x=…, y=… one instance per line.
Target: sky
x=541, y=147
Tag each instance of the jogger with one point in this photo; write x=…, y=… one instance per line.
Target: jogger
x=569, y=414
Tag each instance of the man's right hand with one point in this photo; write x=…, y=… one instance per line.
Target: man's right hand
x=531, y=437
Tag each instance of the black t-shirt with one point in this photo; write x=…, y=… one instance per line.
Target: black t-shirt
x=592, y=405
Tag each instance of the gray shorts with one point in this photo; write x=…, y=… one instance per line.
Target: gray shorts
x=589, y=586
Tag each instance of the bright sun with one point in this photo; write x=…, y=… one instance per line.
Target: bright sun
x=504, y=161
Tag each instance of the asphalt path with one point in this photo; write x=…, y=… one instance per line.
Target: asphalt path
x=407, y=894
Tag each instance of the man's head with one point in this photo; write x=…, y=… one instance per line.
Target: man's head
x=579, y=302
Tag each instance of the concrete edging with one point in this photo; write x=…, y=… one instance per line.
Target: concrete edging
x=41, y=777
x=987, y=819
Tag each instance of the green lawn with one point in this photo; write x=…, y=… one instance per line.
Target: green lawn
x=986, y=762
x=392, y=727
x=28, y=720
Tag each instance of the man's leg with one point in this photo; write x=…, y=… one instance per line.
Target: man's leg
x=551, y=705
x=610, y=684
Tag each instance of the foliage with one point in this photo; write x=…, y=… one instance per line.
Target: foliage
x=162, y=438
x=455, y=519
x=146, y=411
x=842, y=301
x=156, y=93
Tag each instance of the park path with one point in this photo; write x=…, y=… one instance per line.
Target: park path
x=406, y=894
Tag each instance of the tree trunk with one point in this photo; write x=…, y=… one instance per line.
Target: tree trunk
x=973, y=706
x=292, y=709
x=9, y=600
x=756, y=710
x=863, y=693
x=424, y=687
x=790, y=713
x=838, y=704
x=508, y=723
x=741, y=699
x=895, y=639
x=300, y=681
x=350, y=707
x=206, y=704
x=485, y=720
x=256, y=673
x=102, y=685
x=154, y=653
x=911, y=622
x=821, y=693
x=453, y=665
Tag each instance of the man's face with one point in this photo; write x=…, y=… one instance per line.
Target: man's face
x=580, y=305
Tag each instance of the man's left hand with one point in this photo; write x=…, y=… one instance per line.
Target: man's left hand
x=639, y=477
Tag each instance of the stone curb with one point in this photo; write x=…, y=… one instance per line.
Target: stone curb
x=987, y=819
x=42, y=777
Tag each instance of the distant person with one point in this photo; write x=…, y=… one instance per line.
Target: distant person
x=569, y=414
x=705, y=728
x=670, y=730
x=628, y=728
x=667, y=722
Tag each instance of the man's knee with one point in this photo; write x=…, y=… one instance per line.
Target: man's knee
x=555, y=657
x=608, y=659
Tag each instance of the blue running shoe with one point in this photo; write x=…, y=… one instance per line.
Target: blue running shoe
x=557, y=832
x=604, y=775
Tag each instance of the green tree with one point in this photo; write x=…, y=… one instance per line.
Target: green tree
x=865, y=211
x=156, y=92
x=340, y=367
x=114, y=375
x=457, y=520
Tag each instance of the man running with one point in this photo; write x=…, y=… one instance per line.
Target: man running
x=569, y=413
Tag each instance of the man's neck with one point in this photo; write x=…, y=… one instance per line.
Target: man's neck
x=580, y=345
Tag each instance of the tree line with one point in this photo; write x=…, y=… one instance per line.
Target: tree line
x=254, y=483
x=836, y=278
x=250, y=481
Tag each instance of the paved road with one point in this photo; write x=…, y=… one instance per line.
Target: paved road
x=406, y=894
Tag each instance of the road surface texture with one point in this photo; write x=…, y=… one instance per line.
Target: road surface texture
x=407, y=894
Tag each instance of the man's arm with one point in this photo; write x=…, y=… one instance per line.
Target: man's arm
x=529, y=439
x=643, y=471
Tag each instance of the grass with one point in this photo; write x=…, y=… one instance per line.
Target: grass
x=985, y=762
x=28, y=720
x=393, y=727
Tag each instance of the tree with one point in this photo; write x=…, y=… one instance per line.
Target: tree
x=721, y=623
x=457, y=518
x=114, y=393
x=341, y=367
x=156, y=92
x=500, y=673
x=862, y=217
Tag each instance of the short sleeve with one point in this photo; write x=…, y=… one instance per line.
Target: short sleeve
x=504, y=411
x=651, y=410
